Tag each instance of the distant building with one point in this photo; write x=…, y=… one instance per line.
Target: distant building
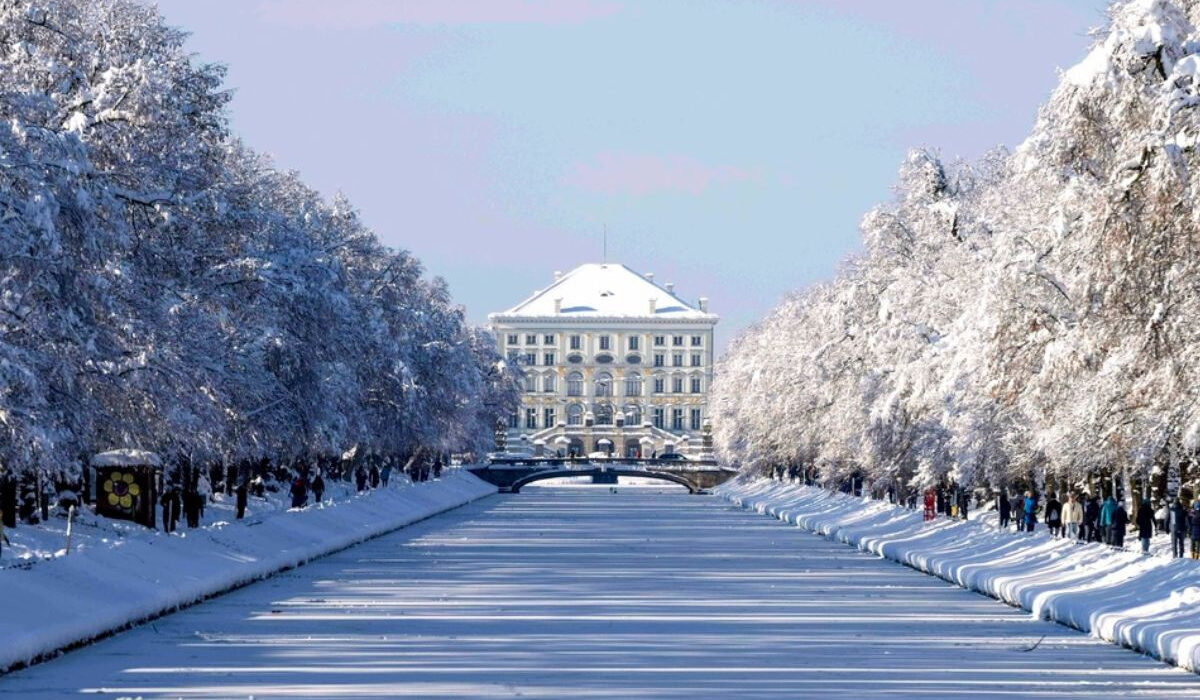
x=612, y=363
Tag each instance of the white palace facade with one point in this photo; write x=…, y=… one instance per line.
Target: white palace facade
x=612, y=362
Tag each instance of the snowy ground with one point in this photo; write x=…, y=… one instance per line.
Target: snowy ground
x=118, y=573
x=1145, y=602
x=584, y=593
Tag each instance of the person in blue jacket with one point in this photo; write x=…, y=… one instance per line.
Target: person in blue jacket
x=1177, y=525
x=1030, y=511
x=1107, y=512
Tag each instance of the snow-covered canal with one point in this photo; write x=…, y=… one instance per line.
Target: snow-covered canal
x=568, y=592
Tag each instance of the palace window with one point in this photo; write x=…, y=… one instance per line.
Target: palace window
x=548, y=418
x=604, y=414
x=531, y=418
x=574, y=414
x=677, y=359
x=677, y=340
x=695, y=419
x=695, y=385
x=676, y=419
x=531, y=358
x=659, y=384
x=548, y=339
x=697, y=341
x=633, y=414
x=696, y=359
x=531, y=381
x=676, y=385
x=633, y=384
x=575, y=384
x=657, y=417
x=605, y=341
x=633, y=342
x=660, y=359
x=604, y=384
x=531, y=339
x=549, y=383
x=576, y=342
x=513, y=338
x=660, y=340
x=548, y=358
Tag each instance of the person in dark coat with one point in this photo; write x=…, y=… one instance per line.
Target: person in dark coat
x=243, y=490
x=1120, y=521
x=1004, y=508
x=1177, y=525
x=192, y=502
x=374, y=476
x=437, y=467
x=1195, y=529
x=1054, y=516
x=171, y=505
x=360, y=479
x=299, y=492
x=318, y=488
x=1145, y=525
x=1091, y=520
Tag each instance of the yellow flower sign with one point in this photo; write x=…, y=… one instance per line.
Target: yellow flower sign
x=121, y=489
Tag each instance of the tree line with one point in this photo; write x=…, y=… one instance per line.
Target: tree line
x=1027, y=319
x=165, y=287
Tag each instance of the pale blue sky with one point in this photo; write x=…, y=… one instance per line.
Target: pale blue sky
x=729, y=147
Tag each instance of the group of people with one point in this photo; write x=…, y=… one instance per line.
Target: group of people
x=1088, y=519
x=188, y=503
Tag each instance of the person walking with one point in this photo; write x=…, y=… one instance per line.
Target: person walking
x=1194, y=526
x=242, y=493
x=1107, y=511
x=1145, y=524
x=171, y=505
x=1119, y=526
x=1072, y=516
x=299, y=492
x=1177, y=526
x=318, y=488
x=1030, y=511
x=360, y=479
x=1091, y=519
x=1054, y=516
x=1160, y=518
x=374, y=476
x=1004, y=508
x=386, y=474
x=3, y=537
x=204, y=490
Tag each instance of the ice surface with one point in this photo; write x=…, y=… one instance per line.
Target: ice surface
x=583, y=593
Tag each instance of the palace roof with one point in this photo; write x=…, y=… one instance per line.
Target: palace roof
x=605, y=290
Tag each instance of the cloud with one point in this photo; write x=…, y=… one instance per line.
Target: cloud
x=364, y=14
x=642, y=174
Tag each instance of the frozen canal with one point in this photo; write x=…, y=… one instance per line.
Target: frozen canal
x=567, y=592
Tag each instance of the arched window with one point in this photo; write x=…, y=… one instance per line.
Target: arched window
x=604, y=414
x=633, y=414
x=604, y=384
x=575, y=414
x=633, y=384
x=575, y=384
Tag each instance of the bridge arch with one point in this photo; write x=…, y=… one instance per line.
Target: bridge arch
x=559, y=473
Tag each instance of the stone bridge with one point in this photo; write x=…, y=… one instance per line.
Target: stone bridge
x=511, y=474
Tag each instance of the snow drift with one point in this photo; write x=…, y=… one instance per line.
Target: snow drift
x=69, y=600
x=1144, y=602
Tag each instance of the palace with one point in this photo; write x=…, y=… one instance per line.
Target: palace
x=612, y=362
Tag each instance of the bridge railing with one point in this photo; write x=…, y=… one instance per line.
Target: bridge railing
x=657, y=463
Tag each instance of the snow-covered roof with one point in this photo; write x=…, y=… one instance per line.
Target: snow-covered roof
x=604, y=290
x=126, y=457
